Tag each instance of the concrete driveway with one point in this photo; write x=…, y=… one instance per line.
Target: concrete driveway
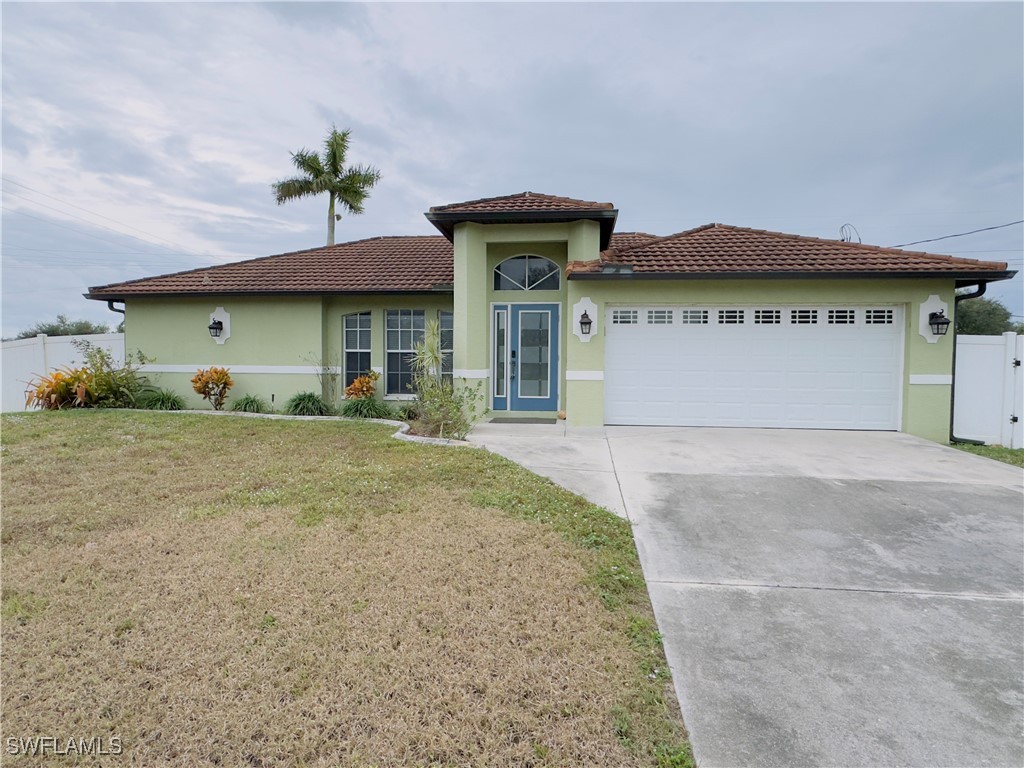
x=826, y=598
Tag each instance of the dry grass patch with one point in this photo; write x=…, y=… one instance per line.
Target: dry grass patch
x=229, y=591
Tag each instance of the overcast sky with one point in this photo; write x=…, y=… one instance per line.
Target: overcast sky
x=143, y=138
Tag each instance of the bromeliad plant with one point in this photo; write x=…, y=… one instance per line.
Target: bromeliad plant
x=63, y=388
x=213, y=384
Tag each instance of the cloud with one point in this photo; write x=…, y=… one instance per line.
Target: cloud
x=174, y=119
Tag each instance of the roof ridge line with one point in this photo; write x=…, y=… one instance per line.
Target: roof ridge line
x=846, y=243
x=257, y=259
x=519, y=195
x=659, y=238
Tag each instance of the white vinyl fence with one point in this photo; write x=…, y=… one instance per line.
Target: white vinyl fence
x=988, y=404
x=25, y=359
x=989, y=385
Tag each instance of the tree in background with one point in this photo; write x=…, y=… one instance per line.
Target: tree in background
x=64, y=327
x=349, y=186
x=983, y=317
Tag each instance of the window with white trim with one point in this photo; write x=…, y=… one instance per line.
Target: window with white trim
x=841, y=317
x=625, y=317
x=526, y=273
x=357, y=346
x=403, y=332
x=446, y=321
x=767, y=317
x=878, y=316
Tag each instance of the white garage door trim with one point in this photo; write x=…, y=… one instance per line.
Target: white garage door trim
x=827, y=366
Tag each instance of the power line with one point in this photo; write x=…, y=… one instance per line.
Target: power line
x=92, y=213
x=93, y=223
x=73, y=229
x=94, y=253
x=992, y=250
x=959, y=234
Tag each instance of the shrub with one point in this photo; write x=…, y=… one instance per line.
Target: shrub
x=63, y=388
x=213, y=384
x=408, y=411
x=364, y=386
x=113, y=386
x=64, y=327
x=307, y=404
x=442, y=410
x=251, y=404
x=366, y=408
x=160, y=400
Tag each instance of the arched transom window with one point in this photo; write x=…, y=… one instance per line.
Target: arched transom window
x=526, y=273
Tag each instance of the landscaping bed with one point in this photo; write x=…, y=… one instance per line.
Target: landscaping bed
x=261, y=592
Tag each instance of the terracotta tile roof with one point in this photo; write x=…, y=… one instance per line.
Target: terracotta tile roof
x=522, y=202
x=723, y=249
x=622, y=241
x=423, y=263
x=380, y=264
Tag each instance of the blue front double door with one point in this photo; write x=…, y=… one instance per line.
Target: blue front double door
x=524, y=357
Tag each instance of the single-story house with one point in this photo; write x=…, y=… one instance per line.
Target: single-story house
x=542, y=301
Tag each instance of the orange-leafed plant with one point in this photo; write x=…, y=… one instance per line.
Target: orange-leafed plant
x=364, y=386
x=213, y=384
x=63, y=388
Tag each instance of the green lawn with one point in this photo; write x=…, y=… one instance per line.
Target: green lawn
x=225, y=590
x=1013, y=456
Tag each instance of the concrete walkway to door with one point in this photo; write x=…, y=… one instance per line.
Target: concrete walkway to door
x=826, y=598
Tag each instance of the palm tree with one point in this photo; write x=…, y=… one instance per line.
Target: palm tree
x=349, y=186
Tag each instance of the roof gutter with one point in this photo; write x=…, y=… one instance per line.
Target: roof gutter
x=977, y=294
x=962, y=278
x=110, y=297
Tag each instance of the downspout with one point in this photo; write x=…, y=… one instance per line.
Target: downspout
x=112, y=308
x=982, y=287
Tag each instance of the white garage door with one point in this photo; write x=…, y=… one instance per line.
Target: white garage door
x=824, y=367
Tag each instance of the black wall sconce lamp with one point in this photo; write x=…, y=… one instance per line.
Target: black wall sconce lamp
x=585, y=324
x=215, y=328
x=939, y=323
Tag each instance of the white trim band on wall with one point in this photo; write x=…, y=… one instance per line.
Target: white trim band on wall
x=311, y=370
x=584, y=375
x=930, y=378
x=471, y=373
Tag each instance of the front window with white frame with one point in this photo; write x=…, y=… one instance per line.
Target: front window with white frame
x=446, y=320
x=357, y=346
x=403, y=332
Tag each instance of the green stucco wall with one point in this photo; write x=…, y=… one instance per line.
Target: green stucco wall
x=287, y=340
